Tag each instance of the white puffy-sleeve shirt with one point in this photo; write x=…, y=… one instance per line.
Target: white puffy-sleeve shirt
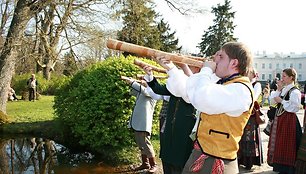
x=257, y=90
x=205, y=95
x=157, y=96
x=294, y=102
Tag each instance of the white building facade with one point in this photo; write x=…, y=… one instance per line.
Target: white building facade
x=271, y=66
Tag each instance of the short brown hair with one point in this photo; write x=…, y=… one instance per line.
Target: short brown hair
x=239, y=51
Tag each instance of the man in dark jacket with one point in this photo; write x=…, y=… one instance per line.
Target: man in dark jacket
x=176, y=145
x=32, y=84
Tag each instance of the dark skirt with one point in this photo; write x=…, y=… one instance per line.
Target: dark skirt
x=300, y=165
x=284, y=141
x=250, y=145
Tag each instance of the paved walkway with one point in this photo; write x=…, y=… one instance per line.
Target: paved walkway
x=265, y=168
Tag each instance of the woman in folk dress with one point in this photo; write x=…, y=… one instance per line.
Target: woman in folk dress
x=286, y=130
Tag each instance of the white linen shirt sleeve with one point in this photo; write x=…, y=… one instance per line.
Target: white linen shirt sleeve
x=211, y=98
x=257, y=90
x=272, y=95
x=205, y=95
x=176, y=83
x=154, y=95
x=148, y=78
x=294, y=102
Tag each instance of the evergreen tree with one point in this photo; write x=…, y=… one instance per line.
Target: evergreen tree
x=70, y=66
x=167, y=39
x=221, y=32
x=139, y=26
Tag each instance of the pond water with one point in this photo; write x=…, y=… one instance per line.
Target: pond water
x=38, y=155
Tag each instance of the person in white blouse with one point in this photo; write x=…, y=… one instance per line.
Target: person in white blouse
x=225, y=105
x=286, y=130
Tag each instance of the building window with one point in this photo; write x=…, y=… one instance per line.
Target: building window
x=270, y=65
x=256, y=65
x=300, y=77
x=270, y=76
x=263, y=66
x=291, y=65
x=284, y=66
x=263, y=77
x=300, y=66
x=277, y=66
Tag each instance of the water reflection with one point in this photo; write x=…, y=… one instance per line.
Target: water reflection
x=38, y=156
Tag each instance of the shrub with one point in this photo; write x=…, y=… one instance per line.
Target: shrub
x=96, y=104
x=46, y=87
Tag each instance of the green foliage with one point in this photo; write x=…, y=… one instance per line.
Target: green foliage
x=221, y=32
x=139, y=26
x=48, y=87
x=70, y=65
x=129, y=155
x=167, y=39
x=96, y=104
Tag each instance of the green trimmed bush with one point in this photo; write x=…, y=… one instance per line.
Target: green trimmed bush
x=96, y=104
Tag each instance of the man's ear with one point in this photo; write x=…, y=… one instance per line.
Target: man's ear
x=234, y=63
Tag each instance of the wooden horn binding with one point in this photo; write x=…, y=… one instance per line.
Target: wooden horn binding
x=149, y=52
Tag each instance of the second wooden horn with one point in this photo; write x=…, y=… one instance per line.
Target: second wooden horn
x=154, y=68
x=149, y=52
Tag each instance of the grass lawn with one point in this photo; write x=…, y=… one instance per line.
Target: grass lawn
x=28, y=111
x=32, y=118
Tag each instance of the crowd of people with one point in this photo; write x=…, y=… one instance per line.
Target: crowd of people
x=210, y=126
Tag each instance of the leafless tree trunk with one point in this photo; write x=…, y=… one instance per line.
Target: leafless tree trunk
x=23, y=12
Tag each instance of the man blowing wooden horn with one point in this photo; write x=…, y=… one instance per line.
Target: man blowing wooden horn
x=225, y=107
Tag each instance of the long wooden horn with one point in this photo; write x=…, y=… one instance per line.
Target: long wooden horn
x=149, y=52
x=154, y=68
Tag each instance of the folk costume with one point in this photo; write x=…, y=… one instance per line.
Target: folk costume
x=286, y=131
x=300, y=165
x=141, y=122
x=250, y=146
x=175, y=144
x=225, y=109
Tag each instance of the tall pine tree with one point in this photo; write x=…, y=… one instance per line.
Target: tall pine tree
x=139, y=26
x=221, y=32
x=168, y=41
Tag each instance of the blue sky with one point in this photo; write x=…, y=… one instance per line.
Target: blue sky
x=264, y=25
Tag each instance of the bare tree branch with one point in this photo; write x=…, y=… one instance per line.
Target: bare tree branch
x=185, y=7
